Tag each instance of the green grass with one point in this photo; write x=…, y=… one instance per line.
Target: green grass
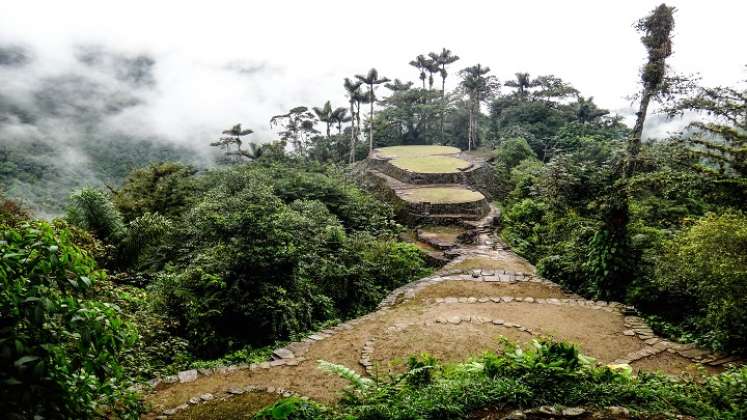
x=442, y=195
x=414, y=151
x=239, y=407
x=431, y=164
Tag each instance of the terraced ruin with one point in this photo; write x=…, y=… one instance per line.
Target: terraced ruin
x=484, y=291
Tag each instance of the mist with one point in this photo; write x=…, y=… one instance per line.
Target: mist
x=145, y=81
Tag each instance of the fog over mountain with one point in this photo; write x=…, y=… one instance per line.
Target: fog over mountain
x=82, y=79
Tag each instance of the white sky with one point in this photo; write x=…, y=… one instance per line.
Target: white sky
x=306, y=48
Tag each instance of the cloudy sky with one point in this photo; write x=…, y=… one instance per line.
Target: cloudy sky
x=220, y=62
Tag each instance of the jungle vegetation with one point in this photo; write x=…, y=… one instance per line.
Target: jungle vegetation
x=161, y=271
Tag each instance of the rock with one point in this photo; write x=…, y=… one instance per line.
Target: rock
x=440, y=300
x=456, y=320
x=495, y=299
x=462, y=300
x=182, y=407
x=724, y=360
x=529, y=299
x=187, y=376
x=451, y=299
x=652, y=341
x=629, y=333
x=515, y=415
x=498, y=321
x=507, y=299
x=170, y=412
x=475, y=274
x=264, y=365
x=205, y=372
x=235, y=391
x=471, y=299
x=171, y=379
x=573, y=412
x=283, y=353
x=617, y=411
x=207, y=397
x=483, y=300
x=154, y=382
x=194, y=400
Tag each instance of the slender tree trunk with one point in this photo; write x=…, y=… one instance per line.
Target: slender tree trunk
x=634, y=145
x=469, y=127
x=328, y=128
x=443, y=105
x=370, y=124
x=352, y=131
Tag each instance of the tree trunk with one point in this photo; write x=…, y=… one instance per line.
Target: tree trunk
x=634, y=145
x=352, y=132
x=370, y=124
x=443, y=105
x=469, y=127
x=329, y=124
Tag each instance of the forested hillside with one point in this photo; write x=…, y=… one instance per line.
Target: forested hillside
x=321, y=275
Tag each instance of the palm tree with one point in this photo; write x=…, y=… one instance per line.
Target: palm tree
x=522, y=84
x=371, y=79
x=340, y=115
x=431, y=66
x=355, y=97
x=324, y=114
x=478, y=86
x=421, y=63
x=443, y=59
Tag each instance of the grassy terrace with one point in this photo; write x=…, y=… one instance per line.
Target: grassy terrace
x=446, y=195
x=431, y=164
x=415, y=151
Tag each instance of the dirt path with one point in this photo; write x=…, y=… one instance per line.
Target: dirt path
x=452, y=315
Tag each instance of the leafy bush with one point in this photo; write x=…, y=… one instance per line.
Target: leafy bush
x=281, y=250
x=59, y=346
x=545, y=373
x=162, y=188
x=707, y=264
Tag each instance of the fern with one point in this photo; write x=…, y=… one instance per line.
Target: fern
x=355, y=379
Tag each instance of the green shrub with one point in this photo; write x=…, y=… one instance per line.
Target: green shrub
x=59, y=346
x=544, y=373
x=707, y=263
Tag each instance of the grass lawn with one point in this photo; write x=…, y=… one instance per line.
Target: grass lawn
x=431, y=164
x=413, y=151
x=442, y=195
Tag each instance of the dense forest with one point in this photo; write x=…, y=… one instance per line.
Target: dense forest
x=166, y=262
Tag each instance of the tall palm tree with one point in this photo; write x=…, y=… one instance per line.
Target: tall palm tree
x=431, y=66
x=522, y=84
x=324, y=114
x=355, y=97
x=371, y=79
x=421, y=63
x=442, y=60
x=340, y=115
x=478, y=86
